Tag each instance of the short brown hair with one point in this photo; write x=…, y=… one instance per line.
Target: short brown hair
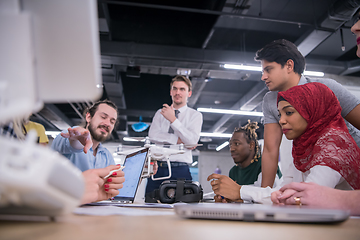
x=92, y=109
x=180, y=78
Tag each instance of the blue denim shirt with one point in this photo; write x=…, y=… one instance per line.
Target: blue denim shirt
x=83, y=161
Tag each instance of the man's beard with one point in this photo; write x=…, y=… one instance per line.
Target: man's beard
x=96, y=136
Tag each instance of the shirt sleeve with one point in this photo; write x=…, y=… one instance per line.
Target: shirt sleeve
x=268, y=105
x=277, y=181
x=324, y=176
x=254, y=192
x=250, y=193
x=191, y=133
x=62, y=145
x=157, y=132
x=346, y=99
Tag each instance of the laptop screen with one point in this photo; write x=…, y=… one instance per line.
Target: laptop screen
x=134, y=164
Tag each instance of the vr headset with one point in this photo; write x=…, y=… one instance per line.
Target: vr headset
x=171, y=191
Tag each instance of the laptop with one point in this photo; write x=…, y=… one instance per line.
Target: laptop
x=260, y=212
x=134, y=164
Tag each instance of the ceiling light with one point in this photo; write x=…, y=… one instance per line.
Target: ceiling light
x=183, y=72
x=222, y=135
x=134, y=139
x=259, y=69
x=222, y=146
x=53, y=134
x=242, y=67
x=313, y=73
x=205, y=139
x=227, y=111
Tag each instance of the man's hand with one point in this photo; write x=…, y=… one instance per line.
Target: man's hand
x=224, y=186
x=221, y=199
x=97, y=188
x=155, y=167
x=79, y=134
x=179, y=141
x=168, y=112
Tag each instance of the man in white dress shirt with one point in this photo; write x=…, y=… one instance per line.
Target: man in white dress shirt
x=176, y=124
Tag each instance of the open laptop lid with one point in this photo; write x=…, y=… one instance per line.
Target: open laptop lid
x=260, y=212
x=134, y=164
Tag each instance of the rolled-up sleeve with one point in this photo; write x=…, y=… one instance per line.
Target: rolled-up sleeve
x=191, y=133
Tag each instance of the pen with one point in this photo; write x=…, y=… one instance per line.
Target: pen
x=111, y=172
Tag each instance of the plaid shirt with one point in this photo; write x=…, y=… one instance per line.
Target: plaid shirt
x=8, y=130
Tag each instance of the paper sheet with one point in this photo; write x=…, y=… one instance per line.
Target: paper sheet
x=112, y=210
x=136, y=205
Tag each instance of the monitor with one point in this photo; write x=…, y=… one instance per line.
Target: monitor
x=50, y=53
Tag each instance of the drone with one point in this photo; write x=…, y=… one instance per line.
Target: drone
x=156, y=153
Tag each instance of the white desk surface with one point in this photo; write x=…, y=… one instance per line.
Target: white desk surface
x=171, y=227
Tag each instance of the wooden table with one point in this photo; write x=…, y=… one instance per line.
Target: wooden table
x=171, y=227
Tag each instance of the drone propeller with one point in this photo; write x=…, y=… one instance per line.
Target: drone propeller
x=130, y=149
x=163, y=144
x=135, y=139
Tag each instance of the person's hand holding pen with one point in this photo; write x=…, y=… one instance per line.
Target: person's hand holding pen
x=100, y=186
x=219, y=198
x=224, y=187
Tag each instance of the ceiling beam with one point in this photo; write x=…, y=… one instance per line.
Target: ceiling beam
x=119, y=53
x=338, y=14
x=205, y=11
x=352, y=67
x=133, y=50
x=198, y=86
x=137, y=113
x=57, y=118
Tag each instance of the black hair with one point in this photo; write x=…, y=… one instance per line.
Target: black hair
x=282, y=99
x=280, y=51
x=92, y=110
x=249, y=131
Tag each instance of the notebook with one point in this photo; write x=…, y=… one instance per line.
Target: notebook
x=134, y=164
x=260, y=212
